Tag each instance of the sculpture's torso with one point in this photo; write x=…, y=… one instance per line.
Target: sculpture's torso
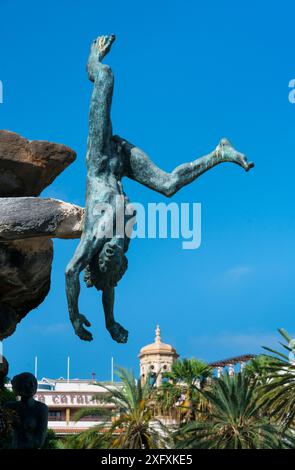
x=27, y=417
x=104, y=185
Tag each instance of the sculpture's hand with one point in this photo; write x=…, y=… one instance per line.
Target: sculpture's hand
x=118, y=333
x=79, y=328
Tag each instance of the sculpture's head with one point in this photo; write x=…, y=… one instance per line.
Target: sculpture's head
x=3, y=370
x=107, y=268
x=24, y=385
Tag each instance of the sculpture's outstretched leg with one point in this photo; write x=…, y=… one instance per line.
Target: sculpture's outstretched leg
x=99, y=141
x=117, y=332
x=100, y=126
x=142, y=169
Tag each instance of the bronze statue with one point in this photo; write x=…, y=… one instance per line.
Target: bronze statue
x=110, y=158
x=29, y=425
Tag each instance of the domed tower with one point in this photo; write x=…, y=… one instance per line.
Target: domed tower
x=156, y=358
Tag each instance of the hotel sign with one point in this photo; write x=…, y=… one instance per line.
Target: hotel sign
x=67, y=399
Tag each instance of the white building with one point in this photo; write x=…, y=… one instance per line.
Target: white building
x=65, y=397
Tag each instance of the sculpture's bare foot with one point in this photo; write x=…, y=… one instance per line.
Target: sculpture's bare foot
x=118, y=333
x=79, y=328
x=228, y=153
x=102, y=45
x=99, y=49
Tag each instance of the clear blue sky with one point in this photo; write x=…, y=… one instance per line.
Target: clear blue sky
x=186, y=74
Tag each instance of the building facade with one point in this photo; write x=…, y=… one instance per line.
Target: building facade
x=65, y=397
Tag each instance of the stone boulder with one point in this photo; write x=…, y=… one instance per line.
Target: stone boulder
x=27, y=167
x=28, y=223
x=25, y=268
x=29, y=217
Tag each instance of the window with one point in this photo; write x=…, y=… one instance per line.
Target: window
x=54, y=415
x=45, y=387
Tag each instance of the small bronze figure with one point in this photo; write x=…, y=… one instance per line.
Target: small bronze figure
x=29, y=425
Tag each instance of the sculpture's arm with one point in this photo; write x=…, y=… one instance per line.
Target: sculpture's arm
x=116, y=330
x=108, y=298
x=139, y=167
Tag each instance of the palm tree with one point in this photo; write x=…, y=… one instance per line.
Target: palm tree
x=258, y=368
x=233, y=422
x=191, y=372
x=7, y=416
x=182, y=390
x=52, y=441
x=167, y=399
x=132, y=425
x=93, y=438
x=278, y=394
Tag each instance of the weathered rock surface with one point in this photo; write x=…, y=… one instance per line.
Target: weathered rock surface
x=27, y=167
x=29, y=217
x=25, y=268
x=27, y=223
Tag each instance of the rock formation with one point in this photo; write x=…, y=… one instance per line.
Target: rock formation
x=30, y=217
x=28, y=223
x=24, y=279
x=27, y=167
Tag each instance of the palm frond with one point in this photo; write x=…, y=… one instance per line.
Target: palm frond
x=98, y=412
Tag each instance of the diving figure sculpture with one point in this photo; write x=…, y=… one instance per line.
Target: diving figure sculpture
x=109, y=158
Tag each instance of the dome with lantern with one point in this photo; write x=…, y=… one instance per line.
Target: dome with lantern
x=158, y=347
x=156, y=358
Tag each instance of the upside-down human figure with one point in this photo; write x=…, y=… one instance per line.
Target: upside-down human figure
x=108, y=159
